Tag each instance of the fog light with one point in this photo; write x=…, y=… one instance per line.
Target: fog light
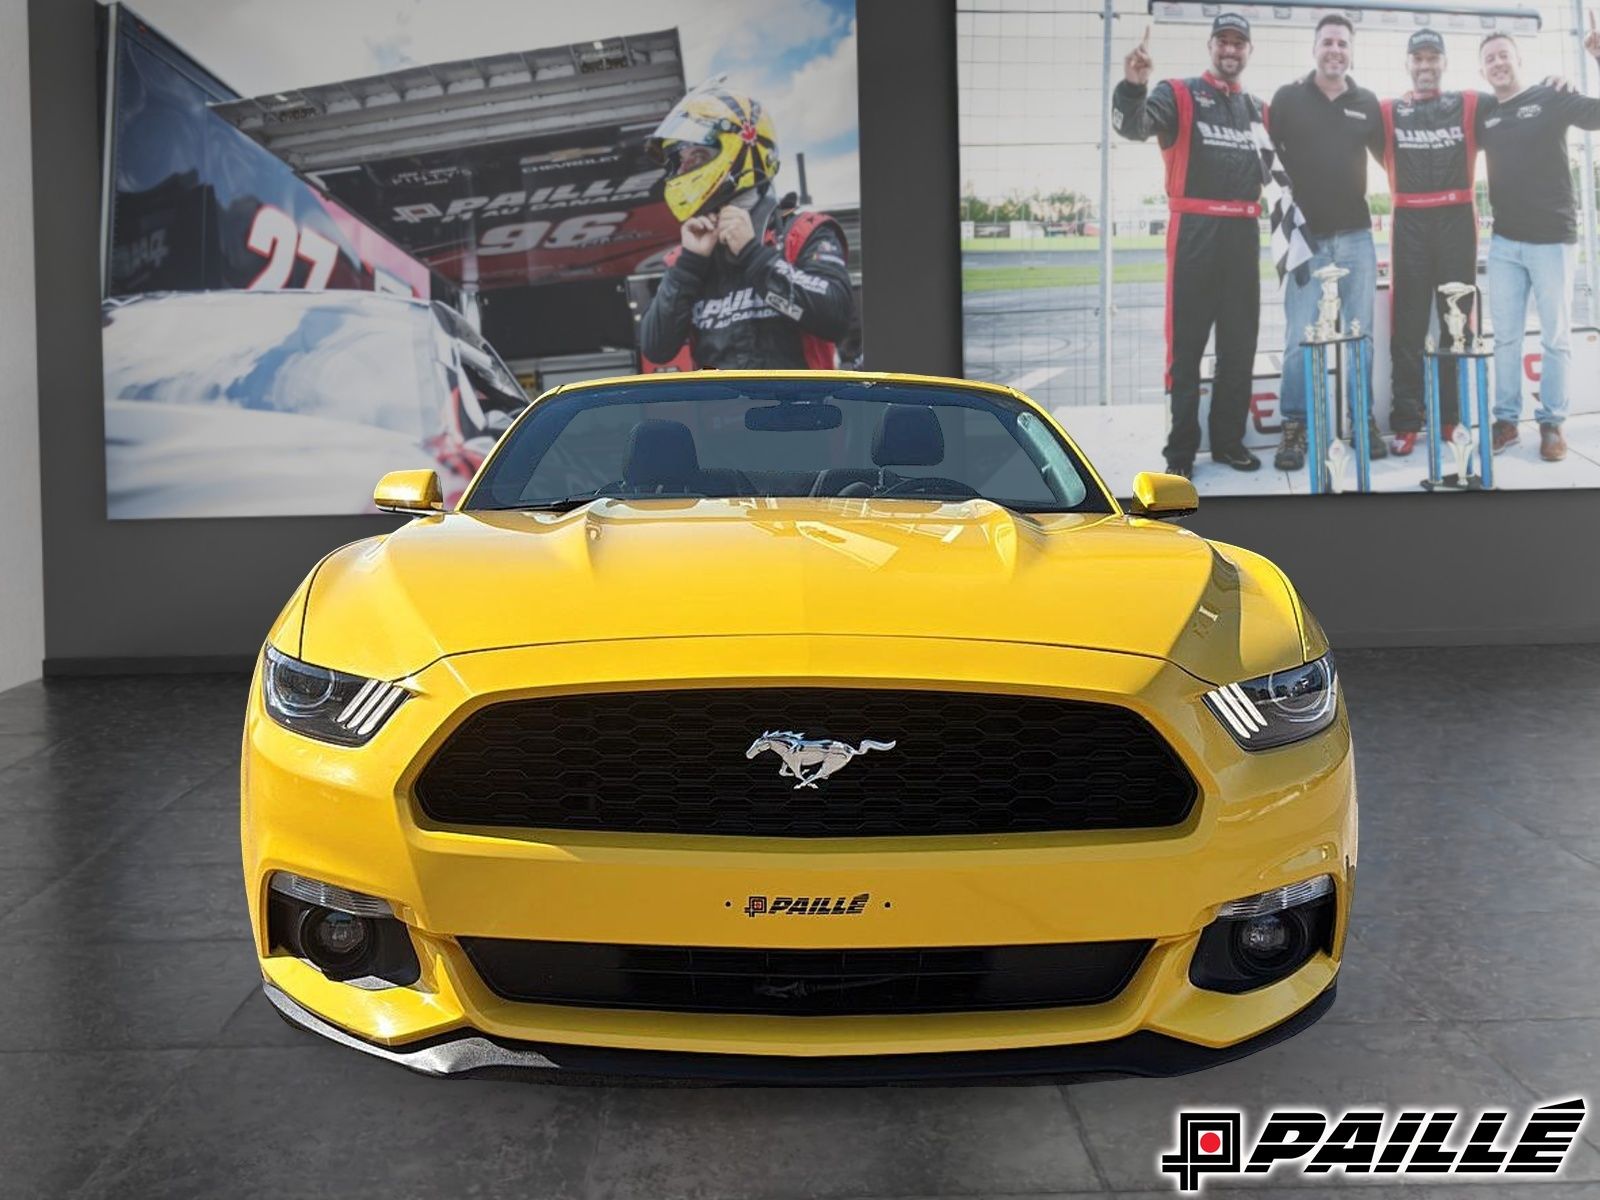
x=1264, y=937
x=1261, y=939
x=1266, y=943
x=335, y=941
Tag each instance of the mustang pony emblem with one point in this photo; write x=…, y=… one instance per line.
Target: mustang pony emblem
x=798, y=754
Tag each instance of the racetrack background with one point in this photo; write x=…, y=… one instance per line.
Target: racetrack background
x=1030, y=77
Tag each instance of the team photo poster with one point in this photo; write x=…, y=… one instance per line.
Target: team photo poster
x=1289, y=249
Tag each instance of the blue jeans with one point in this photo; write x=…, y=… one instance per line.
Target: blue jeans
x=1515, y=269
x=1348, y=248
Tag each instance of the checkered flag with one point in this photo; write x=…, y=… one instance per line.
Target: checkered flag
x=1289, y=246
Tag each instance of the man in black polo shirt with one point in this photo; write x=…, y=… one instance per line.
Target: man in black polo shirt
x=1324, y=126
x=1534, y=248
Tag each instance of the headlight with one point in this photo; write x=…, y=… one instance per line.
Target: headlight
x=1276, y=709
x=327, y=705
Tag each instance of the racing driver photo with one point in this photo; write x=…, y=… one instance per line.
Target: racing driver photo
x=751, y=286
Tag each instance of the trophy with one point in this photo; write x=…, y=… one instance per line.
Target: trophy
x=1469, y=355
x=1455, y=320
x=1327, y=327
x=1338, y=462
x=1461, y=445
x=1484, y=342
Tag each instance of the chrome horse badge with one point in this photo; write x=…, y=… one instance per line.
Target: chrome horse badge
x=798, y=755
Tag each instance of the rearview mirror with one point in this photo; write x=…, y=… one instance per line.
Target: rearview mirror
x=1163, y=496
x=413, y=492
x=794, y=417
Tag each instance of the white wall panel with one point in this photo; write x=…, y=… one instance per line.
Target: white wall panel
x=21, y=583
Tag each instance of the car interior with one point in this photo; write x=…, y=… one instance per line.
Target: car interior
x=662, y=459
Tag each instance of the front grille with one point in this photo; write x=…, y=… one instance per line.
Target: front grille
x=805, y=982
x=675, y=762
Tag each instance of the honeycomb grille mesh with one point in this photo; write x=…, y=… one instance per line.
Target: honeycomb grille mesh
x=675, y=762
x=805, y=982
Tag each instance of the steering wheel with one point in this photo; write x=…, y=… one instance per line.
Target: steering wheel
x=930, y=485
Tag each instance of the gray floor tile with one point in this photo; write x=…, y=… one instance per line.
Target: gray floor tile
x=1555, y=1059
x=1586, y=848
x=122, y=996
x=60, y=838
x=1512, y=872
x=1371, y=993
x=19, y=884
x=218, y=791
x=1556, y=807
x=116, y=899
x=806, y=1142
x=83, y=772
x=15, y=747
x=188, y=836
x=1503, y=967
x=1511, y=755
x=1409, y=809
x=62, y=1113
x=320, y=1121
x=256, y=1023
x=23, y=709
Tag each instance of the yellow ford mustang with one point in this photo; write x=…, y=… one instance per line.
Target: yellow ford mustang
x=796, y=727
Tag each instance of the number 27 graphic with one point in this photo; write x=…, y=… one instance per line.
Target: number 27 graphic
x=275, y=236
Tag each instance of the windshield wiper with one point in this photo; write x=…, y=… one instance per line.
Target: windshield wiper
x=565, y=504
x=569, y=503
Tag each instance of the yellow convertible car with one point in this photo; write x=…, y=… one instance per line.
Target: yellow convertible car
x=782, y=727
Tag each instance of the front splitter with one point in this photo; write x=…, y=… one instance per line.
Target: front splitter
x=470, y=1054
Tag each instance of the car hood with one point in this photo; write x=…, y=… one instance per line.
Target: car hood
x=198, y=460
x=681, y=568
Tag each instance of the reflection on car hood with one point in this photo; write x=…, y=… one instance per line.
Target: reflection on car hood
x=677, y=568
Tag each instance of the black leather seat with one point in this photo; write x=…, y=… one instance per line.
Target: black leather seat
x=908, y=435
x=662, y=458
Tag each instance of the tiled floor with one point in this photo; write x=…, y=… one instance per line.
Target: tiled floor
x=138, y=1057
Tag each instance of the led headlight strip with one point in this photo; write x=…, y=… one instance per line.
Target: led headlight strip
x=371, y=705
x=1234, y=707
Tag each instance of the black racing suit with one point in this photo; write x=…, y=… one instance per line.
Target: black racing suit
x=1204, y=128
x=751, y=310
x=1429, y=149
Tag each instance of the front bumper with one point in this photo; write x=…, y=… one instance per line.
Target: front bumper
x=346, y=816
x=470, y=1054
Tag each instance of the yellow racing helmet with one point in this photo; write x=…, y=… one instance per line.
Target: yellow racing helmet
x=715, y=143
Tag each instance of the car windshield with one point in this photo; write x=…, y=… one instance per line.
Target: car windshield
x=786, y=437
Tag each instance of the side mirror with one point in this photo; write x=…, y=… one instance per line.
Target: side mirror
x=1163, y=496
x=414, y=492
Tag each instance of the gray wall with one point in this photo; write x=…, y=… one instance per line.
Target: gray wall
x=1378, y=570
x=21, y=570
